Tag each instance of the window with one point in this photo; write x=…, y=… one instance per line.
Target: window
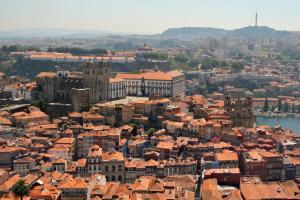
x=120, y=178
x=106, y=168
x=113, y=178
x=113, y=168
x=120, y=168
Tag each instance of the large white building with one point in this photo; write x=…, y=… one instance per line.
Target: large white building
x=155, y=83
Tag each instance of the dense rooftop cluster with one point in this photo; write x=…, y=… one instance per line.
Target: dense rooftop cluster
x=142, y=148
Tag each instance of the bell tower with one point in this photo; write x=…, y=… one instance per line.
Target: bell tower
x=96, y=78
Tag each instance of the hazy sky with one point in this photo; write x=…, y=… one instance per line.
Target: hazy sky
x=147, y=16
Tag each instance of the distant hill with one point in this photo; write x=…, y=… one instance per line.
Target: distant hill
x=171, y=33
x=54, y=32
x=246, y=32
x=192, y=32
x=259, y=32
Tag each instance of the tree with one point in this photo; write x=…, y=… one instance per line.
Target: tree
x=181, y=58
x=266, y=105
x=40, y=104
x=193, y=63
x=134, y=131
x=150, y=132
x=237, y=66
x=279, y=104
x=20, y=189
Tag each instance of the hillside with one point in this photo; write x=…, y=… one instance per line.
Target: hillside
x=259, y=32
x=194, y=32
x=246, y=32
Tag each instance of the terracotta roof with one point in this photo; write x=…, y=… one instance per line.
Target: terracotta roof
x=44, y=191
x=165, y=145
x=264, y=191
x=227, y=156
x=208, y=172
x=5, y=122
x=268, y=154
x=88, y=115
x=209, y=189
x=65, y=140
x=108, y=156
x=153, y=75
x=30, y=178
x=59, y=161
x=75, y=183
x=151, y=163
x=115, y=80
x=46, y=74
x=6, y=186
x=95, y=151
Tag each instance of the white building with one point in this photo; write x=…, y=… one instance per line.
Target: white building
x=164, y=84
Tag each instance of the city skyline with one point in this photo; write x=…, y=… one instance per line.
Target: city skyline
x=147, y=17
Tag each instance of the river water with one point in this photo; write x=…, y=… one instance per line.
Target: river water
x=292, y=123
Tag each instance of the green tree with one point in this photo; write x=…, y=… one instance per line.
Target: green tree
x=181, y=58
x=20, y=189
x=150, y=132
x=237, y=66
x=134, y=131
x=193, y=63
x=40, y=104
x=266, y=105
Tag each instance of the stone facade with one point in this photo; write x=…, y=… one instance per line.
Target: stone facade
x=80, y=99
x=96, y=77
x=155, y=83
x=240, y=111
x=72, y=87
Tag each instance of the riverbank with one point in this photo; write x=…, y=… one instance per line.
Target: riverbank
x=275, y=115
x=292, y=123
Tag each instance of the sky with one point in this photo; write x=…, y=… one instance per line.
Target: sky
x=147, y=16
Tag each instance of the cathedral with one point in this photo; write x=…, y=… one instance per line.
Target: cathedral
x=80, y=89
x=240, y=111
x=95, y=84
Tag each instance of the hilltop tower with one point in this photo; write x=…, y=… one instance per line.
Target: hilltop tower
x=256, y=19
x=96, y=78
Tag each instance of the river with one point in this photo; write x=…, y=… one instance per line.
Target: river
x=292, y=123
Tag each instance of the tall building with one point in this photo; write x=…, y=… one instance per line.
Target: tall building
x=80, y=89
x=96, y=77
x=256, y=19
x=240, y=111
x=80, y=99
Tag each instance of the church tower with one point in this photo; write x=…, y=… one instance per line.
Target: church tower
x=240, y=111
x=96, y=78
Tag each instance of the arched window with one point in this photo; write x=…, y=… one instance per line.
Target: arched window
x=113, y=168
x=113, y=178
x=120, y=178
x=120, y=168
